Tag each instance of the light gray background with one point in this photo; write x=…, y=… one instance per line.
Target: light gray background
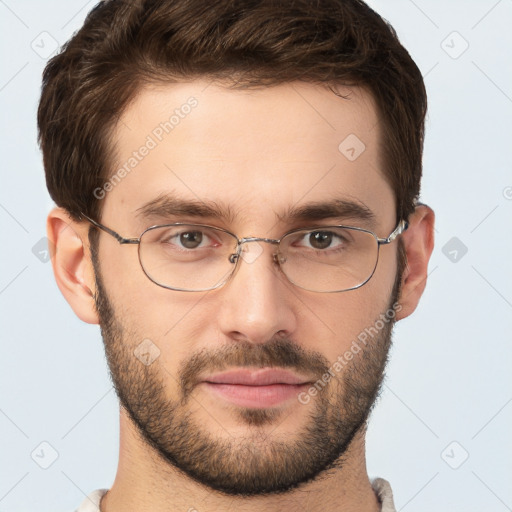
x=448, y=393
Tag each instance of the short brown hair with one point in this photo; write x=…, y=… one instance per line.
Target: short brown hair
x=124, y=44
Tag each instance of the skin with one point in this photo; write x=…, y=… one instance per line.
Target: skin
x=274, y=148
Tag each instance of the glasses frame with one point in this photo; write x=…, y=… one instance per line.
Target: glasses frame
x=235, y=257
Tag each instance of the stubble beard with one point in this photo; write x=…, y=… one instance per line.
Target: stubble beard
x=262, y=462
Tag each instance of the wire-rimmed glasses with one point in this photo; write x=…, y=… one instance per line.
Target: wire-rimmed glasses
x=199, y=257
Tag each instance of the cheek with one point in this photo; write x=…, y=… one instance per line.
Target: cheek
x=334, y=321
x=170, y=319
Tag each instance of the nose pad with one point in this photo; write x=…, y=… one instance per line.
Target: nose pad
x=251, y=252
x=279, y=258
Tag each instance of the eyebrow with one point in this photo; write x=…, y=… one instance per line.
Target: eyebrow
x=334, y=209
x=168, y=205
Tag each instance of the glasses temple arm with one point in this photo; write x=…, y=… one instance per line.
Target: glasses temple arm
x=402, y=226
x=111, y=232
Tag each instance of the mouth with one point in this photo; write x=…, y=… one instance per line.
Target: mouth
x=261, y=388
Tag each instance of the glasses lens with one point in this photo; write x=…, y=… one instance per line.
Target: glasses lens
x=329, y=260
x=187, y=256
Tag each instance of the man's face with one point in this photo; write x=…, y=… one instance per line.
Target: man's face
x=256, y=154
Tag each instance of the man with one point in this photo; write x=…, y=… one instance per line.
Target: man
x=237, y=192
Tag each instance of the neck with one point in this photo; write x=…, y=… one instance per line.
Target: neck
x=146, y=482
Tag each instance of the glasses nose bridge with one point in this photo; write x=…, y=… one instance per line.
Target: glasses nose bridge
x=242, y=241
x=257, y=239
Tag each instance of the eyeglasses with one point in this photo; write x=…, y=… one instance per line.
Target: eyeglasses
x=198, y=257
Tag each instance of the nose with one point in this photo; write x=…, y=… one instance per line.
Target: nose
x=257, y=304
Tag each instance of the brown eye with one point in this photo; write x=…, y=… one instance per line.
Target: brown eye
x=191, y=239
x=320, y=239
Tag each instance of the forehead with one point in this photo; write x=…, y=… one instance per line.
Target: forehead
x=256, y=152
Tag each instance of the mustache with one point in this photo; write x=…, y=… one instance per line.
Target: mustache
x=282, y=353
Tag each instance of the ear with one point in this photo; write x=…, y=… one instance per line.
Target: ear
x=71, y=262
x=418, y=241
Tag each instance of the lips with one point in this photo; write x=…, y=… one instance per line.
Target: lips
x=258, y=389
x=261, y=377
